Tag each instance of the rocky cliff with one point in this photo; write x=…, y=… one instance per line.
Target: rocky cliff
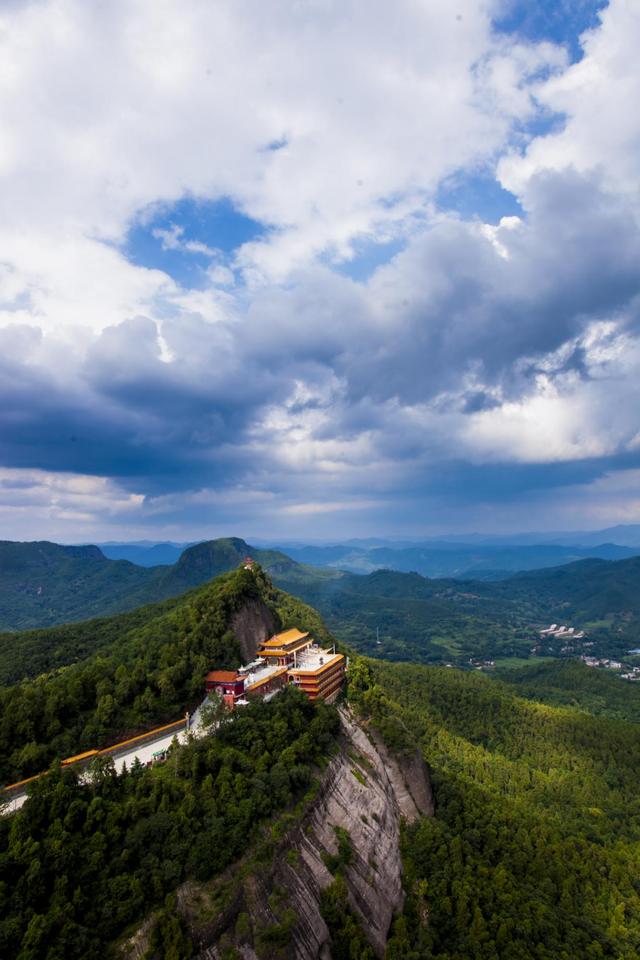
x=272, y=909
x=253, y=623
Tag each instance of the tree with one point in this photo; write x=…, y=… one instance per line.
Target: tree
x=213, y=712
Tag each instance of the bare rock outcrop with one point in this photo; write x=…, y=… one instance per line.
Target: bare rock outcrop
x=365, y=792
x=253, y=623
x=411, y=781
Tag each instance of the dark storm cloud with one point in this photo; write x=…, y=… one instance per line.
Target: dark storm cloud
x=454, y=305
x=467, y=483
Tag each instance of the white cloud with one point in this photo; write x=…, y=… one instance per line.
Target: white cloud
x=331, y=123
x=601, y=129
x=106, y=110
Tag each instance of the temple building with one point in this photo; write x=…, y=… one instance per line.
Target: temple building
x=288, y=657
x=283, y=648
x=228, y=683
x=318, y=672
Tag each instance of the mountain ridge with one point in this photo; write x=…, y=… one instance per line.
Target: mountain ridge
x=43, y=584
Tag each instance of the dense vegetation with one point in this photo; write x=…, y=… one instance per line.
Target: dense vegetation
x=434, y=620
x=43, y=584
x=570, y=683
x=533, y=854
x=32, y=652
x=399, y=616
x=82, y=861
x=144, y=675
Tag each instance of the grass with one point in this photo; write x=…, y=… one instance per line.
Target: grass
x=507, y=663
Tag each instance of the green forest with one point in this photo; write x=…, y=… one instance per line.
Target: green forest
x=43, y=584
x=570, y=683
x=145, y=669
x=533, y=853
x=389, y=614
x=404, y=616
x=82, y=861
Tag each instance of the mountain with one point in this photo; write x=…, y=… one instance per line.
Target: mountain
x=394, y=614
x=44, y=584
x=453, y=559
x=531, y=853
x=110, y=677
x=303, y=831
x=403, y=616
x=570, y=683
x=235, y=801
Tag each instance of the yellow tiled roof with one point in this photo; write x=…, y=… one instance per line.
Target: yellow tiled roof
x=284, y=651
x=285, y=638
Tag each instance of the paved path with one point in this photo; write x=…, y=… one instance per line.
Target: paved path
x=143, y=752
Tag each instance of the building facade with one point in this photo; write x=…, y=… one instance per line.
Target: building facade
x=288, y=657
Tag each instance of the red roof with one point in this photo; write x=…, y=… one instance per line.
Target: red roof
x=223, y=676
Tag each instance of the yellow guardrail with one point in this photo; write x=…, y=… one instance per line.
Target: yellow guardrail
x=89, y=754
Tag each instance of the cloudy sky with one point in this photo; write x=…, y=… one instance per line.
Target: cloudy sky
x=318, y=267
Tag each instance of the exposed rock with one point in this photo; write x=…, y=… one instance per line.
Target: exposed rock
x=251, y=624
x=365, y=791
x=409, y=775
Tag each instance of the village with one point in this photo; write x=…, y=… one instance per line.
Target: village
x=575, y=642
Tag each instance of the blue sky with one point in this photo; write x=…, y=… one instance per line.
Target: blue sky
x=559, y=21
x=215, y=224
x=321, y=271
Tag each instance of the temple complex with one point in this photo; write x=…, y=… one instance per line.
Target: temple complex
x=288, y=657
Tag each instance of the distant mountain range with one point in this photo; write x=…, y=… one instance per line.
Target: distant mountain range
x=145, y=554
x=625, y=535
x=404, y=616
x=447, y=559
x=397, y=614
x=471, y=558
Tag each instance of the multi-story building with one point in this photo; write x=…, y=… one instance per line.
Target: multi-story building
x=288, y=657
x=318, y=672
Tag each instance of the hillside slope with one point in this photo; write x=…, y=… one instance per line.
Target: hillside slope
x=280, y=836
x=412, y=616
x=435, y=620
x=147, y=669
x=334, y=862
x=533, y=852
x=44, y=584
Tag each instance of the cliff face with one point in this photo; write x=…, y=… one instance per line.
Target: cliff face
x=253, y=623
x=365, y=792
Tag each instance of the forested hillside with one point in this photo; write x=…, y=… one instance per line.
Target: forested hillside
x=434, y=620
x=148, y=668
x=43, y=584
x=391, y=614
x=570, y=683
x=84, y=860
x=533, y=854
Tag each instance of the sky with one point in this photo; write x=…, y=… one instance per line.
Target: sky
x=318, y=268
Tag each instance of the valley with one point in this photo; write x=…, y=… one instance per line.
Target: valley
x=393, y=614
